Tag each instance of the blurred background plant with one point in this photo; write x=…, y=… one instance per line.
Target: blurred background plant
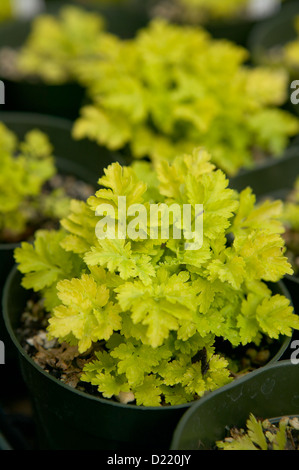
x=55, y=43
x=26, y=168
x=164, y=93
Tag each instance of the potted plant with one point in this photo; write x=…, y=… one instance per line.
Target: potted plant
x=232, y=19
x=163, y=93
x=148, y=322
x=269, y=394
x=37, y=59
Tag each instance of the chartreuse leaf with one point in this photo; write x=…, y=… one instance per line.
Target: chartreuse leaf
x=85, y=312
x=280, y=441
x=162, y=306
x=56, y=44
x=101, y=373
x=27, y=165
x=6, y=10
x=275, y=316
x=44, y=263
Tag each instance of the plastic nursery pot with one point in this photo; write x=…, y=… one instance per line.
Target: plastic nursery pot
x=83, y=160
x=274, y=179
x=68, y=419
x=268, y=393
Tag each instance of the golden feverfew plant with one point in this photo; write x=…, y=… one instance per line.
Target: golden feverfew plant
x=163, y=93
x=150, y=308
x=26, y=167
x=56, y=43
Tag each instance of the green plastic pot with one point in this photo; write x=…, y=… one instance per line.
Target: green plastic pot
x=274, y=179
x=82, y=159
x=68, y=419
x=269, y=393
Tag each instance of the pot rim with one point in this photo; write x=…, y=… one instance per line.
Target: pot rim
x=9, y=281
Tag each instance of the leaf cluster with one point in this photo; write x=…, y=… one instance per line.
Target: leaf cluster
x=56, y=43
x=154, y=307
x=162, y=94
x=26, y=167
